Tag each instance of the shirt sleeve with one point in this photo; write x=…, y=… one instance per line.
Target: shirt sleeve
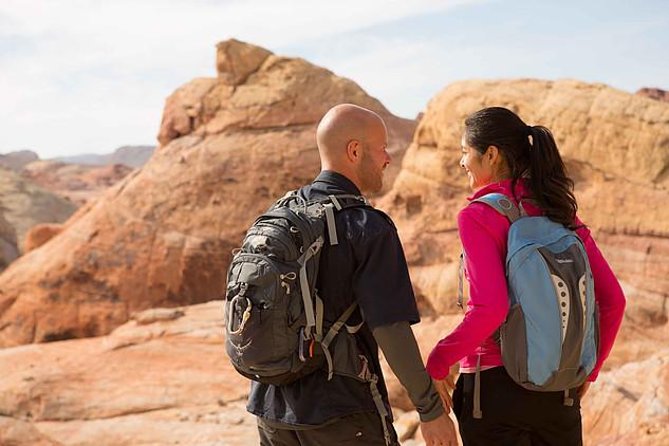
x=488, y=296
x=400, y=348
x=609, y=297
x=381, y=283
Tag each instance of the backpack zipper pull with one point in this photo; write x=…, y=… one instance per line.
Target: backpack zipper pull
x=286, y=285
x=242, y=289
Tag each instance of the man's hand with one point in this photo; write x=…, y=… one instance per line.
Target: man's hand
x=439, y=432
x=583, y=390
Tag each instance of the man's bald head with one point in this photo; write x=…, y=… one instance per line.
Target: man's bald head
x=342, y=124
x=352, y=141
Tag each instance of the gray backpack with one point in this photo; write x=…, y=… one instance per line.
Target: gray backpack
x=274, y=327
x=550, y=338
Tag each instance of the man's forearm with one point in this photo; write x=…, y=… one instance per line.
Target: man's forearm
x=399, y=346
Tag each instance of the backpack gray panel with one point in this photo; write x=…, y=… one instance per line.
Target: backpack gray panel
x=262, y=346
x=514, y=344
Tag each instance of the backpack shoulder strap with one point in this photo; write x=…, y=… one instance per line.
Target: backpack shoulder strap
x=343, y=201
x=339, y=202
x=502, y=204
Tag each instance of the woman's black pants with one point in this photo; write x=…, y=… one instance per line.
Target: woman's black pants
x=513, y=415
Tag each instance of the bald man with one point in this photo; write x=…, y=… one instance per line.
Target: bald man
x=367, y=266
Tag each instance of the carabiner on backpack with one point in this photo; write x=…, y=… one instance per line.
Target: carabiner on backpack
x=246, y=315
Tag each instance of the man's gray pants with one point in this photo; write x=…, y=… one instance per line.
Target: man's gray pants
x=361, y=429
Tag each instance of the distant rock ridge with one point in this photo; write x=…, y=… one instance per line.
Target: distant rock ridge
x=131, y=156
x=26, y=204
x=654, y=93
x=163, y=235
x=17, y=160
x=78, y=183
x=9, y=248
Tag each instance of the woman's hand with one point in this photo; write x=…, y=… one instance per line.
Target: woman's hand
x=582, y=390
x=446, y=386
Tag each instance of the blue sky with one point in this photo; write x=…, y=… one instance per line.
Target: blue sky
x=82, y=76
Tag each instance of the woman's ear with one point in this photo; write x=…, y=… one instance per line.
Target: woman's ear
x=492, y=155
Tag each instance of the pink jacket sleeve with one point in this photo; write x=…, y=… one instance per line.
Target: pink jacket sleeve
x=485, y=253
x=609, y=297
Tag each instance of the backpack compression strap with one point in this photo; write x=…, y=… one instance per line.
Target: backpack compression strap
x=315, y=315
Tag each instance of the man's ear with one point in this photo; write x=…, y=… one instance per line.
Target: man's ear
x=353, y=150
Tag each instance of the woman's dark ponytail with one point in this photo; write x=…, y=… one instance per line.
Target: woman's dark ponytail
x=548, y=180
x=531, y=153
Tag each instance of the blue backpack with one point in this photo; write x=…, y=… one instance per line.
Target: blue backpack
x=550, y=338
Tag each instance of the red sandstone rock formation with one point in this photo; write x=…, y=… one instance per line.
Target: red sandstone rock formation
x=162, y=236
x=40, y=234
x=630, y=405
x=163, y=381
x=163, y=377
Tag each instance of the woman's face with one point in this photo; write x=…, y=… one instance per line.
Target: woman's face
x=478, y=168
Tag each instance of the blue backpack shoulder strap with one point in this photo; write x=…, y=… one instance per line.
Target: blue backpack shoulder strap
x=502, y=204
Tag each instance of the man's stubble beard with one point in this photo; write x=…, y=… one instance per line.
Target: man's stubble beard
x=371, y=182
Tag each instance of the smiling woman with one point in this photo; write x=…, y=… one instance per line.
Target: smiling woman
x=535, y=333
x=481, y=168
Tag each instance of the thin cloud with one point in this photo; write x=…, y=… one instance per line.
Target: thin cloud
x=84, y=76
x=87, y=67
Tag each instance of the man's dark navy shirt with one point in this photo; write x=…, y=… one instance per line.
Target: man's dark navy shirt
x=367, y=266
